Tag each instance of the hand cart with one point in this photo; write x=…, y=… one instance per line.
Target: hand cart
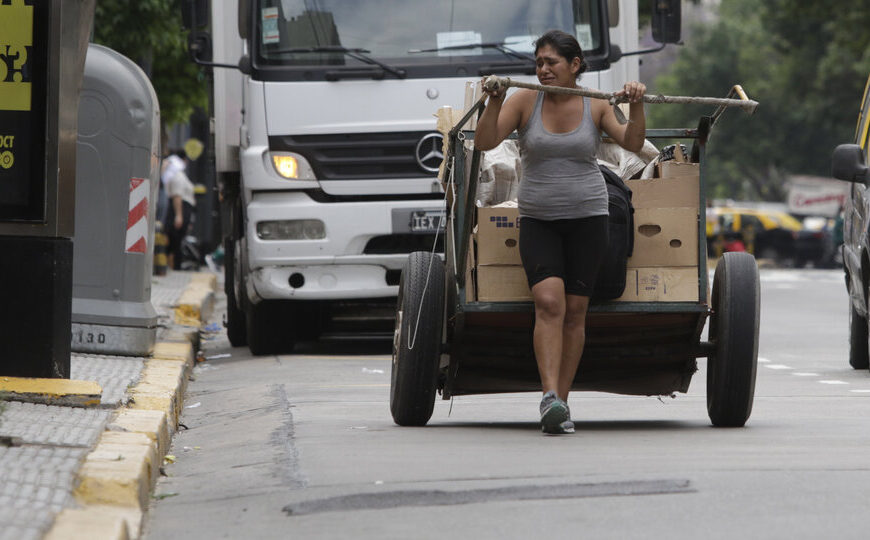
x=449, y=342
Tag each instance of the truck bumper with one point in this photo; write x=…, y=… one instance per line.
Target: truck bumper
x=336, y=267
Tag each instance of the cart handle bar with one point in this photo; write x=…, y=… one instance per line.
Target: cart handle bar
x=494, y=83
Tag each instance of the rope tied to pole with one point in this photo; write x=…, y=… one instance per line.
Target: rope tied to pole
x=494, y=82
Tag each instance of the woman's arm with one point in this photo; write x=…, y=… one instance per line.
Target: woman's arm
x=630, y=136
x=499, y=119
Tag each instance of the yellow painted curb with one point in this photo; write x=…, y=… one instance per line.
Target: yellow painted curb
x=96, y=522
x=161, y=387
x=64, y=392
x=181, y=351
x=116, y=478
x=197, y=299
x=119, y=471
x=204, y=278
x=152, y=423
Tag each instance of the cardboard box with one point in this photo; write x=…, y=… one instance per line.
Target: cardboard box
x=498, y=236
x=669, y=192
x=502, y=283
x=665, y=237
x=670, y=168
x=662, y=284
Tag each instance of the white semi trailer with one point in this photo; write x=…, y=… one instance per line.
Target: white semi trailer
x=324, y=133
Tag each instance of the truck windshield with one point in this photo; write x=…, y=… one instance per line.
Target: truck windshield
x=422, y=37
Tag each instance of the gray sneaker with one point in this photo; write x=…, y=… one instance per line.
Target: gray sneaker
x=555, y=415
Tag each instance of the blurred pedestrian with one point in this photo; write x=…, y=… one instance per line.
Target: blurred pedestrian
x=181, y=207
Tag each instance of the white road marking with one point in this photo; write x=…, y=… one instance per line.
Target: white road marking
x=763, y=360
x=778, y=366
x=833, y=382
x=805, y=374
x=860, y=391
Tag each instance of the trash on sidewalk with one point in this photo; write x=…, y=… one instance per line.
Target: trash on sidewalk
x=212, y=327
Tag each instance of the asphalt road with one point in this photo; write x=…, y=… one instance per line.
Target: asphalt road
x=303, y=446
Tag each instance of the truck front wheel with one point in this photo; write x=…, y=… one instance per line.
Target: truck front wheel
x=235, y=321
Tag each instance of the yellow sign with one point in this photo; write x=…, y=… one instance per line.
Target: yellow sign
x=16, y=35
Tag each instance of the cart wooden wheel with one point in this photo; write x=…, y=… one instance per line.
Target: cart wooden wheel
x=734, y=332
x=858, y=351
x=417, y=339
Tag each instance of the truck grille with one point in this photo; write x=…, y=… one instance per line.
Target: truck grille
x=357, y=156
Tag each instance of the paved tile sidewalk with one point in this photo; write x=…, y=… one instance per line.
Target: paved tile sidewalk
x=42, y=447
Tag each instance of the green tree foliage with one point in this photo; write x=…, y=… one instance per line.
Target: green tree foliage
x=806, y=63
x=149, y=32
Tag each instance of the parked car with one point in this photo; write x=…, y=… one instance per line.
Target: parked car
x=849, y=163
x=768, y=234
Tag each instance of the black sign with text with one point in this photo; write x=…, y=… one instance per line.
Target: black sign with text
x=23, y=84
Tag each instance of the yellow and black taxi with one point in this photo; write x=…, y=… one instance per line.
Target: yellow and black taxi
x=767, y=234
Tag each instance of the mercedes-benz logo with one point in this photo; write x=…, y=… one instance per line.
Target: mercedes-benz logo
x=428, y=152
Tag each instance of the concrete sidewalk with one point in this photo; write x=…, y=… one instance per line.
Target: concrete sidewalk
x=79, y=459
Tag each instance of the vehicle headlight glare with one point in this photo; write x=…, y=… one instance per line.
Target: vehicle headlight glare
x=287, y=166
x=294, y=229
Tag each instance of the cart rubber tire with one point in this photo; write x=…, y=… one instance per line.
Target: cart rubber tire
x=235, y=323
x=269, y=329
x=859, y=357
x=416, y=358
x=734, y=332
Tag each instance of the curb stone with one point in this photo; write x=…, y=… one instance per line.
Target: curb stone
x=115, y=480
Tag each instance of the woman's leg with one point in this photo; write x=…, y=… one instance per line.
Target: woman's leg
x=549, y=297
x=585, y=245
x=573, y=340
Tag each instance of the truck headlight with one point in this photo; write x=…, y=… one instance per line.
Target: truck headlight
x=292, y=166
x=293, y=229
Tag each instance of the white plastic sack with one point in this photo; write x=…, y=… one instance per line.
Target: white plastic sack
x=500, y=172
x=624, y=163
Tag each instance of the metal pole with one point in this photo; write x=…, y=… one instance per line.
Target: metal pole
x=748, y=105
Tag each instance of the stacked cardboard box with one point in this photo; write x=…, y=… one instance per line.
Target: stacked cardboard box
x=662, y=268
x=664, y=264
x=500, y=275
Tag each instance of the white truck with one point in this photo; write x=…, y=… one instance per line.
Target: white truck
x=324, y=133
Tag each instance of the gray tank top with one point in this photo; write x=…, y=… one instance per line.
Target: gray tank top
x=561, y=179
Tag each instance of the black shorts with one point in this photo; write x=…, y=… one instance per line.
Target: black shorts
x=570, y=249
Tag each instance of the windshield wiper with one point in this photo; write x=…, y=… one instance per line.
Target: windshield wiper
x=501, y=47
x=357, y=54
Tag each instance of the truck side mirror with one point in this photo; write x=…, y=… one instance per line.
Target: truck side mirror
x=199, y=46
x=848, y=164
x=666, y=18
x=194, y=14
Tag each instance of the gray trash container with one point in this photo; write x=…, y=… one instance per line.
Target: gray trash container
x=117, y=175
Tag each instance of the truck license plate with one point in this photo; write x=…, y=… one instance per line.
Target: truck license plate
x=427, y=221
